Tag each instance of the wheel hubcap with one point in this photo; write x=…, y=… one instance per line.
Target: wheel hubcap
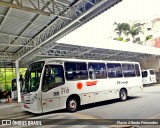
x=123, y=95
x=73, y=104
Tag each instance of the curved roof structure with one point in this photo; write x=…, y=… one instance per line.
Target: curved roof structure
x=28, y=26
x=102, y=49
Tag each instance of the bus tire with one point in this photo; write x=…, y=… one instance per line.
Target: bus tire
x=123, y=95
x=72, y=104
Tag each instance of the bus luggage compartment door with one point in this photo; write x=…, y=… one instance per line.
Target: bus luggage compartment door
x=87, y=98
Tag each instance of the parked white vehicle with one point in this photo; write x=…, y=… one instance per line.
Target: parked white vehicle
x=68, y=83
x=148, y=76
x=14, y=90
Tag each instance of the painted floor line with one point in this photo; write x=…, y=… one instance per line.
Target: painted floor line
x=82, y=116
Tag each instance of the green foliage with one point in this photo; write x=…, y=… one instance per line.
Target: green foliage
x=118, y=29
x=127, y=29
x=2, y=87
x=8, y=87
x=148, y=37
x=6, y=76
x=119, y=38
x=135, y=30
x=140, y=42
x=124, y=40
x=122, y=28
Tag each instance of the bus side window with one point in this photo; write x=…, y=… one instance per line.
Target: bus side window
x=97, y=70
x=128, y=70
x=137, y=70
x=76, y=70
x=114, y=70
x=92, y=74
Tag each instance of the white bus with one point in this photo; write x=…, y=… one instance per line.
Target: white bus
x=14, y=93
x=148, y=76
x=14, y=90
x=68, y=83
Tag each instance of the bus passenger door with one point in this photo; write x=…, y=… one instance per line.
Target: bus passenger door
x=53, y=78
x=50, y=102
x=14, y=94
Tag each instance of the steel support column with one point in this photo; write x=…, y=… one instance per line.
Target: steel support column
x=17, y=80
x=159, y=62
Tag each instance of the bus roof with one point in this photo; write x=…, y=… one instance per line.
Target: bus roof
x=81, y=60
x=147, y=69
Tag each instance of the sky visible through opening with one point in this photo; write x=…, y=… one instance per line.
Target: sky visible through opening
x=100, y=27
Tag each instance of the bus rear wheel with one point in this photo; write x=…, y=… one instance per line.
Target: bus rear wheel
x=72, y=104
x=123, y=95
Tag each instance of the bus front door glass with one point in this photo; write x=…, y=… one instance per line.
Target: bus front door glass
x=53, y=78
x=14, y=89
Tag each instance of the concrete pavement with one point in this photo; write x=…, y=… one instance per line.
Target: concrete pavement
x=16, y=105
x=4, y=107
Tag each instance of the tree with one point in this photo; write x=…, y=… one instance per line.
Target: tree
x=122, y=28
x=135, y=30
x=126, y=29
x=118, y=28
x=148, y=37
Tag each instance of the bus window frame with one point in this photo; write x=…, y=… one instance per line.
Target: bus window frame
x=75, y=78
x=51, y=84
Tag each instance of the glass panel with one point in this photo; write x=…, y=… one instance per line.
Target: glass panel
x=137, y=71
x=53, y=77
x=76, y=70
x=118, y=70
x=144, y=74
x=97, y=70
x=128, y=70
x=14, y=85
x=152, y=72
x=32, y=77
x=114, y=70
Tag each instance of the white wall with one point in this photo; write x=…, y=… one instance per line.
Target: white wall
x=150, y=63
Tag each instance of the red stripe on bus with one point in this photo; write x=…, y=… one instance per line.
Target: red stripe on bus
x=25, y=106
x=79, y=85
x=22, y=97
x=50, y=100
x=91, y=83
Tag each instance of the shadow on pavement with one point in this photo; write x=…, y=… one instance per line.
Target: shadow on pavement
x=88, y=106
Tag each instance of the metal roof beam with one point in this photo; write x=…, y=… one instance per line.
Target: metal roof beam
x=7, y=12
x=27, y=27
x=55, y=53
x=79, y=54
x=60, y=27
x=59, y=2
x=7, y=56
x=6, y=40
x=20, y=18
x=14, y=45
x=72, y=53
x=34, y=9
x=14, y=36
x=33, y=21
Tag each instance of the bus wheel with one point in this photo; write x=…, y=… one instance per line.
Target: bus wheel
x=72, y=104
x=123, y=95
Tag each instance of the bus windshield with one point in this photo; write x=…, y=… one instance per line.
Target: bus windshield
x=14, y=85
x=32, y=77
x=152, y=72
x=144, y=74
